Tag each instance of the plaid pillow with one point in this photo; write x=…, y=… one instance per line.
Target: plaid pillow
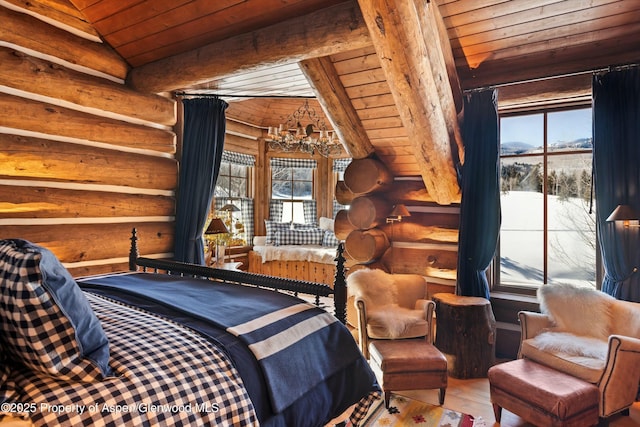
x=299, y=237
x=46, y=322
x=329, y=239
x=300, y=226
x=272, y=227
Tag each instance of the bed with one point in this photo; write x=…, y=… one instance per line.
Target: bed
x=196, y=346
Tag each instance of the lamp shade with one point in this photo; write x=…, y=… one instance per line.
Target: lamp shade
x=400, y=211
x=230, y=207
x=216, y=226
x=623, y=213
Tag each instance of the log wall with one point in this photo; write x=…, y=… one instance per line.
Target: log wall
x=425, y=243
x=83, y=158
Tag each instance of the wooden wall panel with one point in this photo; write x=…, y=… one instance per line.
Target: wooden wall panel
x=89, y=242
x=421, y=259
x=83, y=158
x=33, y=35
x=46, y=202
x=36, y=158
x=43, y=117
x=34, y=75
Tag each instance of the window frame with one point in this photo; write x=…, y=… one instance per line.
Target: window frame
x=292, y=181
x=494, y=270
x=229, y=176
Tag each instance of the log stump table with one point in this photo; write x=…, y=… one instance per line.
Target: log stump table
x=465, y=334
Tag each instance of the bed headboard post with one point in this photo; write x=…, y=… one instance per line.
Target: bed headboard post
x=340, y=286
x=133, y=250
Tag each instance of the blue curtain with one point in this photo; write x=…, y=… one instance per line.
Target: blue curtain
x=616, y=156
x=480, y=205
x=202, y=147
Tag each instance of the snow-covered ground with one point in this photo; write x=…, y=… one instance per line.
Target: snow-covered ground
x=571, y=240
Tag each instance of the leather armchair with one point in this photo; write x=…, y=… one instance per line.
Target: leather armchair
x=615, y=369
x=407, y=313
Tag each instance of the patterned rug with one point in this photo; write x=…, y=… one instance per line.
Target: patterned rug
x=408, y=412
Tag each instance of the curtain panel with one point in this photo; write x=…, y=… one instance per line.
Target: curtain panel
x=480, y=204
x=340, y=165
x=203, y=144
x=275, y=210
x=310, y=210
x=616, y=155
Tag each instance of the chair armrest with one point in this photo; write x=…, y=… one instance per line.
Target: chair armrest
x=619, y=383
x=531, y=324
x=363, y=338
x=428, y=307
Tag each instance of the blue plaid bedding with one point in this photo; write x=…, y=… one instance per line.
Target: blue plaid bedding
x=287, y=336
x=164, y=374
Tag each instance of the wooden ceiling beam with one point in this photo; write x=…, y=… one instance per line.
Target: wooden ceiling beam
x=401, y=44
x=444, y=71
x=335, y=102
x=335, y=29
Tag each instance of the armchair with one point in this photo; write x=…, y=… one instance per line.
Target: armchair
x=388, y=306
x=590, y=335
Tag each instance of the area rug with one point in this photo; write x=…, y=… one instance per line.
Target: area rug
x=408, y=412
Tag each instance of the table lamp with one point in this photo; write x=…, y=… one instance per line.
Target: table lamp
x=216, y=226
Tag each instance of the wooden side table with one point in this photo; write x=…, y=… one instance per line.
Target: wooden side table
x=465, y=334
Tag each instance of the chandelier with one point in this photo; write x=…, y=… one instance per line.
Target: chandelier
x=292, y=136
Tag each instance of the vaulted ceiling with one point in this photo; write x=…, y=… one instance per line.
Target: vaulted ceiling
x=377, y=67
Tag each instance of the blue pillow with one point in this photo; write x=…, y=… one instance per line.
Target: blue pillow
x=46, y=321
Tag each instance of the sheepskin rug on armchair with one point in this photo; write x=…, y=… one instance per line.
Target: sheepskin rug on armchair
x=390, y=311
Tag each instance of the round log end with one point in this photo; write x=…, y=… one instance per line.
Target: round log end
x=364, y=176
x=366, y=246
x=367, y=212
x=343, y=194
x=341, y=225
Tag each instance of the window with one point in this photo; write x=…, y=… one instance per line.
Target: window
x=232, y=181
x=548, y=232
x=292, y=185
x=233, y=188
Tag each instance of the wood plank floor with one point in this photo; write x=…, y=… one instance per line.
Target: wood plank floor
x=472, y=397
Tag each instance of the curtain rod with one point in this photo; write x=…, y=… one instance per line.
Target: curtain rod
x=223, y=95
x=578, y=73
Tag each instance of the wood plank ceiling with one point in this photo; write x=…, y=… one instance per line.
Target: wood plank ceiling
x=493, y=43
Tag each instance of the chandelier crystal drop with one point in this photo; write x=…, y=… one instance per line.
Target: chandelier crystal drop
x=311, y=138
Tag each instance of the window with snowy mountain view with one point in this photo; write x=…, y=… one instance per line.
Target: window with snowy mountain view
x=292, y=185
x=548, y=230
